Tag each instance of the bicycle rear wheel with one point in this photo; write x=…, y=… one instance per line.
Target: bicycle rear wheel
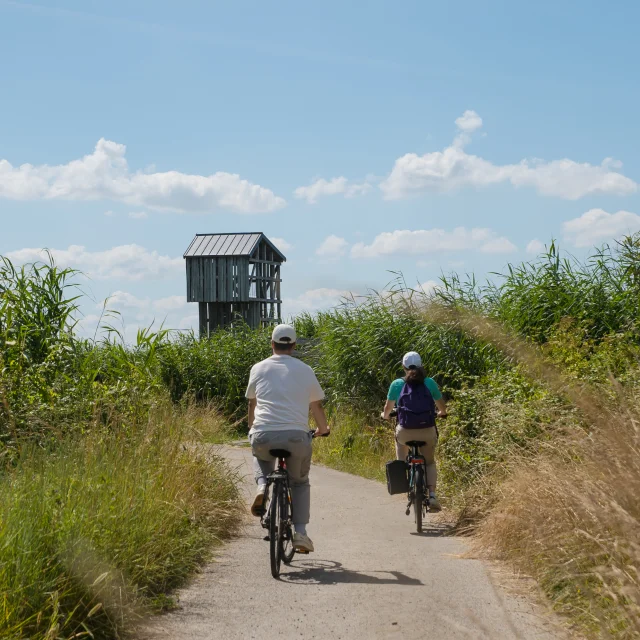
x=286, y=537
x=275, y=546
x=418, y=498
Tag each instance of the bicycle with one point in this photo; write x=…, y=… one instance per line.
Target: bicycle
x=418, y=498
x=277, y=517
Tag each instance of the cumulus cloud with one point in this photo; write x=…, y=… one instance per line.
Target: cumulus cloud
x=122, y=300
x=426, y=241
x=314, y=300
x=105, y=174
x=454, y=168
x=332, y=247
x=322, y=187
x=429, y=287
x=469, y=121
x=596, y=225
x=128, y=262
x=535, y=247
x=282, y=244
x=134, y=313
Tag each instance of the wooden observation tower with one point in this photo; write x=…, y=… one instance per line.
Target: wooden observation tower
x=234, y=276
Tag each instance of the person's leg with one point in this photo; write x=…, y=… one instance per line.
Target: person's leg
x=263, y=462
x=402, y=451
x=430, y=437
x=298, y=465
x=429, y=453
x=263, y=465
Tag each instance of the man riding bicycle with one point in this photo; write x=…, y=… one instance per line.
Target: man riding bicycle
x=281, y=391
x=415, y=378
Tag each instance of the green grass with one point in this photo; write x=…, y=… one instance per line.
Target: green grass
x=105, y=527
x=356, y=447
x=108, y=500
x=531, y=365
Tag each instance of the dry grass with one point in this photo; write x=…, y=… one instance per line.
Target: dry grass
x=570, y=517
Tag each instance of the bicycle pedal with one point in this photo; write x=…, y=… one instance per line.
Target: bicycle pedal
x=408, y=512
x=266, y=538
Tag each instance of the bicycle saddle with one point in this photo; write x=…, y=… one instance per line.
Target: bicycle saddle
x=279, y=453
x=415, y=443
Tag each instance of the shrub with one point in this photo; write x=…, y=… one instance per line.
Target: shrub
x=104, y=526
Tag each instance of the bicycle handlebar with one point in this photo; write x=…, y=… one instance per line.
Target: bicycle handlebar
x=324, y=435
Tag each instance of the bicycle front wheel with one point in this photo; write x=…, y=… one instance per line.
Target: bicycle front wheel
x=275, y=546
x=418, y=499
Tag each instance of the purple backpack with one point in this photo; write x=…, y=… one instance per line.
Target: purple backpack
x=415, y=406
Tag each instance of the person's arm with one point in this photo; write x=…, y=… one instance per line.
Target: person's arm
x=316, y=396
x=250, y=395
x=252, y=411
x=392, y=398
x=389, y=405
x=320, y=418
x=436, y=394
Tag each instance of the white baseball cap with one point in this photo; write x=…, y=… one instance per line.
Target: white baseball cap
x=411, y=359
x=284, y=334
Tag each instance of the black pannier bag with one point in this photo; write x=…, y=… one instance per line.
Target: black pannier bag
x=397, y=477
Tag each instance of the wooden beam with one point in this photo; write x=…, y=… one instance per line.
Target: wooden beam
x=202, y=319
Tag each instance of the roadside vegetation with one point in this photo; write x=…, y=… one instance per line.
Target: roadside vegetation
x=106, y=501
x=540, y=454
x=539, y=458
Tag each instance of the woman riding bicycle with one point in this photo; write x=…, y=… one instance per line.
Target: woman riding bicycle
x=415, y=377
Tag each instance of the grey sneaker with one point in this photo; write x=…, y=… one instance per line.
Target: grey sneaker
x=302, y=543
x=434, y=504
x=258, y=501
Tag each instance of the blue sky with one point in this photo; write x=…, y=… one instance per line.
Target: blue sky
x=370, y=137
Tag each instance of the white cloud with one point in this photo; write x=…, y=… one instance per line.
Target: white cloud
x=281, y=243
x=129, y=262
x=322, y=187
x=314, y=300
x=332, y=247
x=597, y=225
x=171, y=303
x=120, y=300
x=105, y=174
x=469, y=121
x=358, y=189
x=172, y=312
x=429, y=286
x=109, y=213
x=426, y=241
x=453, y=168
x=535, y=247
x=138, y=215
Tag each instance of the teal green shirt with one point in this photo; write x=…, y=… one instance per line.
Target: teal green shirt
x=396, y=388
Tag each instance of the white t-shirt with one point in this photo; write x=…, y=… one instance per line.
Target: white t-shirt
x=283, y=387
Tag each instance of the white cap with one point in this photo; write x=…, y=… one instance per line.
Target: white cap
x=284, y=334
x=411, y=359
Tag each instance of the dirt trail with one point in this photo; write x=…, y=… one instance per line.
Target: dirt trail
x=370, y=577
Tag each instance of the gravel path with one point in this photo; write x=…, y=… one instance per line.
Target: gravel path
x=370, y=577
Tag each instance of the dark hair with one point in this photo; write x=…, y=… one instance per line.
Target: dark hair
x=415, y=375
x=280, y=347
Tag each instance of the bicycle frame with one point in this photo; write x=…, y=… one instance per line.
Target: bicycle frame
x=280, y=475
x=414, y=460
